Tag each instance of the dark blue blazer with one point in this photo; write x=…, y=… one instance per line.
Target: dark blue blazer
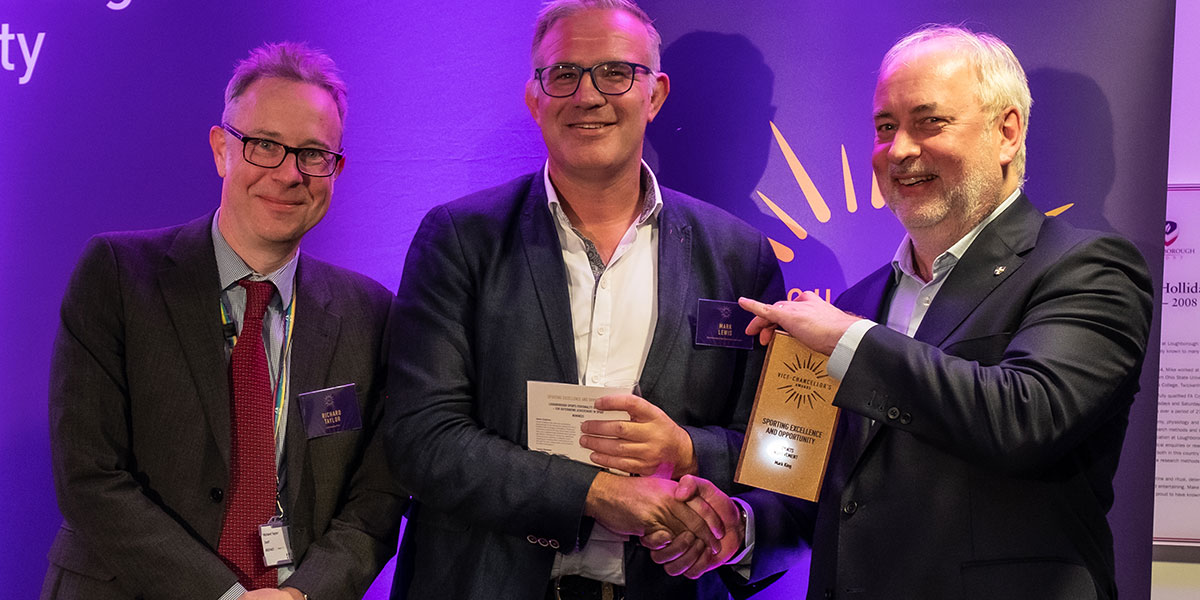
x=482, y=308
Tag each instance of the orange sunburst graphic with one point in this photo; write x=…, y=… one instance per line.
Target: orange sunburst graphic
x=805, y=381
x=817, y=205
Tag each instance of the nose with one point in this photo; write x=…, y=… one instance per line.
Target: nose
x=289, y=172
x=903, y=147
x=587, y=94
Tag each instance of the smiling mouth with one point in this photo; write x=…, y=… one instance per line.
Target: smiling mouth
x=590, y=126
x=280, y=201
x=917, y=180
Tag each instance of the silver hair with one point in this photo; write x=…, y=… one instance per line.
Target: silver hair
x=295, y=61
x=556, y=10
x=1001, y=79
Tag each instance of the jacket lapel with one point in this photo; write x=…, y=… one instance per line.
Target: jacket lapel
x=993, y=257
x=314, y=340
x=869, y=299
x=191, y=290
x=544, y=257
x=675, y=296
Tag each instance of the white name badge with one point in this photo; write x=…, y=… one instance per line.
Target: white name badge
x=277, y=550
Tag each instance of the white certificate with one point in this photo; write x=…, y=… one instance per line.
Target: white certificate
x=556, y=411
x=1177, y=473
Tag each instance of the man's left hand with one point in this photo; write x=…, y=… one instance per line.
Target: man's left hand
x=648, y=443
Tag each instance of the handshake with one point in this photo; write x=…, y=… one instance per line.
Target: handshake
x=690, y=526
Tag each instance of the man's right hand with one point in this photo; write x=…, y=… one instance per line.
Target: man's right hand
x=810, y=319
x=642, y=505
x=681, y=555
x=266, y=594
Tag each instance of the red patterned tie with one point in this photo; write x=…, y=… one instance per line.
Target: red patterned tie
x=252, y=456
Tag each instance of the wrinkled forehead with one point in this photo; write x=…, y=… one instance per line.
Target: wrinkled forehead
x=613, y=31
x=288, y=111
x=937, y=58
x=930, y=69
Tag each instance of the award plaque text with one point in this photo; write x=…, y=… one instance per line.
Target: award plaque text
x=792, y=423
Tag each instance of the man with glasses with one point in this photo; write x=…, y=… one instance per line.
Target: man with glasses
x=214, y=393
x=584, y=272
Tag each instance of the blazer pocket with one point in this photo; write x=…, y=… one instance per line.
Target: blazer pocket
x=1022, y=579
x=987, y=350
x=69, y=553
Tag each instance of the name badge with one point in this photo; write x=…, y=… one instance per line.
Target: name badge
x=723, y=324
x=331, y=410
x=277, y=548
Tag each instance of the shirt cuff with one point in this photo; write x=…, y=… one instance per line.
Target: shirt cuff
x=847, y=345
x=233, y=593
x=740, y=563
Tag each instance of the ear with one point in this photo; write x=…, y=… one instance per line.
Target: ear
x=216, y=139
x=337, y=171
x=662, y=87
x=1011, y=127
x=531, y=97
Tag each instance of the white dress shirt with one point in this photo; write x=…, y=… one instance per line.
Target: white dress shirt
x=614, y=308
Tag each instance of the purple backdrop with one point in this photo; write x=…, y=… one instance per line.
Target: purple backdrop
x=1100, y=77
x=109, y=131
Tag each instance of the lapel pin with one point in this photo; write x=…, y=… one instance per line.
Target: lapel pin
x=999, y=270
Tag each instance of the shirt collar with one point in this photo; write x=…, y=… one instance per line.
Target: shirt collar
x=232, y=269
x=651, y=202
x=902, y=261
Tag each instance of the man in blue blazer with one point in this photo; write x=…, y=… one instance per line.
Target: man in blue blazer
x=146, y=426
x=584, y=272
x=986, y=394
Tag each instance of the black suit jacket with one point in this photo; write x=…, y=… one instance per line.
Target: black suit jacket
x=997, y=429
x=482, y=308
x=140, y=425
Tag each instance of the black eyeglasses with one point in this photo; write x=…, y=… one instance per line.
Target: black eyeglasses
x=611, y=78
x=269, y=154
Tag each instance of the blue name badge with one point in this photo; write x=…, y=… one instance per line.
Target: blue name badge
x=721, y=323
x=331, y=410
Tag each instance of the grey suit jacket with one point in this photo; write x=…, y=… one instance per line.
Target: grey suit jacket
x=140, y=425
x=997, y=428
x=482, y=308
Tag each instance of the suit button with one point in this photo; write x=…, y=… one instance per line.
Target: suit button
x=850, y=508
x=905, y=419
x=554, y=544
x=543, y=542
x=828, y=593
x=216, y=494
x=532, y=539
x=893, y=413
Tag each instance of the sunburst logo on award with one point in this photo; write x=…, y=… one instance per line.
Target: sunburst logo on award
x=805, y=381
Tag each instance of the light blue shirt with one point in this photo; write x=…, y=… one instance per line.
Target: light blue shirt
x=231, y=269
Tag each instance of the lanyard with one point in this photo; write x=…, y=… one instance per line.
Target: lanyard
x=281, y=386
